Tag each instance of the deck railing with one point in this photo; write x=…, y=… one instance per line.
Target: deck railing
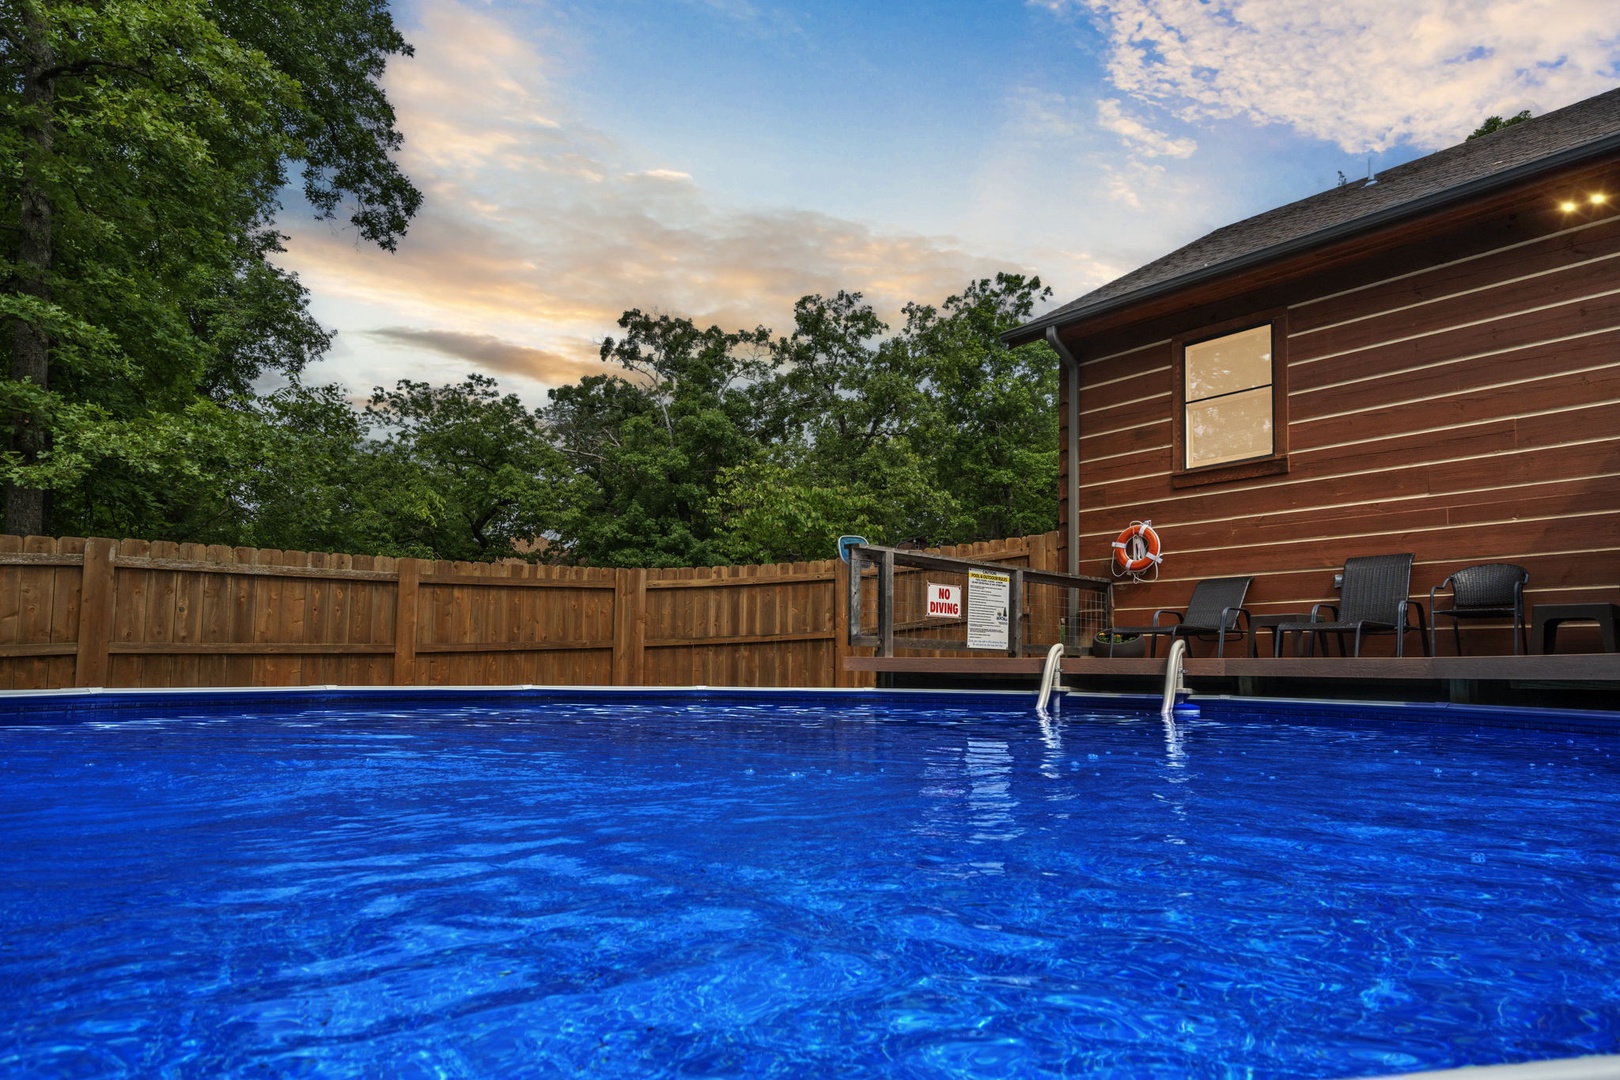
x=919, y=602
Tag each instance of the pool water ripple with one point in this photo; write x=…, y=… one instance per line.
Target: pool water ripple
x=747, y=890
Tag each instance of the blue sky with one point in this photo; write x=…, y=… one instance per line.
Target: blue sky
x=719, y=159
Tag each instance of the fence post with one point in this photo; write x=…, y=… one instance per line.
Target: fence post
x=96, y=596
x=841, y=598
x=629, y=626
x=409, y=576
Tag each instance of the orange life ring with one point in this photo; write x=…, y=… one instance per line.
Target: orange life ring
x=1137, y=548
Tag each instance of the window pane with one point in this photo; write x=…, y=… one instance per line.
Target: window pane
x=1230, y=428
x=1234, y=362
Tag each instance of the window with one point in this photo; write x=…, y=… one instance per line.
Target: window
x=1232, y=420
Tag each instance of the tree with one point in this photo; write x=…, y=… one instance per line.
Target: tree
x=465, y=472
x=649, y=450
x=739, y=448
x=843, y=412
x=993, y=426
x=1496, y=123
x=143, y=148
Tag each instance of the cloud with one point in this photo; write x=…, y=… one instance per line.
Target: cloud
x=490, y=353
x=1365, y=74
x=538, y=231
x=1145, y=141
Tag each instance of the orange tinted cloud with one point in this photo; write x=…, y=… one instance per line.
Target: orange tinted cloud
x=538, y=232
x=491, y=354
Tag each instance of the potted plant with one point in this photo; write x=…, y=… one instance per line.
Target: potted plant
x=1118, y=646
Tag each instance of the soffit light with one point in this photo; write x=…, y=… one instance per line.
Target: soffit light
x=1596, y=198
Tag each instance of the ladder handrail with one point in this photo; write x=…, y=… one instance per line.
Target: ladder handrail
x=1049, y=676
x=1175, y=670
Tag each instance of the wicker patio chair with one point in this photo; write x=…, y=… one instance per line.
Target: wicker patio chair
x=1487, y=591
x=1215, y=611
x=1372, y=600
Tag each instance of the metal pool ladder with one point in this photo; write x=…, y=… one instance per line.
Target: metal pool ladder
x=1175, y=678
x=1049, y=677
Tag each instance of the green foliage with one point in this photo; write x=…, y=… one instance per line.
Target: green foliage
x=143, y=144
x=465, y=472
x=993, y=437
x=717, y=453
x=142, y=153
x=279, y=471
x=648, y=449
x=1496, y=123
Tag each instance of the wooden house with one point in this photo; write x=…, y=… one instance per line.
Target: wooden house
x=1424, y=361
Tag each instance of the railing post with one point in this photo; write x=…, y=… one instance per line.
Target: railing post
x=852, y=598
x=410, y=573
x=96, y=598
x=886, y=602
x=1015, y=612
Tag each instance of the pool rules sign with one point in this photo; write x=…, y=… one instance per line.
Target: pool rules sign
x=987, y=609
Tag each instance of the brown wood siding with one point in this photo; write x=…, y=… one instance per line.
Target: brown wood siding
x=1453, y=399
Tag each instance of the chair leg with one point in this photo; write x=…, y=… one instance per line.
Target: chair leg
x=1456, y=632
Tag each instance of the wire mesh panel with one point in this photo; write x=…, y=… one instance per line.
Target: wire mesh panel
x=919, y=604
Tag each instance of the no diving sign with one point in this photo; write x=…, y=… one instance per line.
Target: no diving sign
x=944, y=601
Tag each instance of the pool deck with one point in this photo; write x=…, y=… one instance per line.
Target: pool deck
x=1457, y=678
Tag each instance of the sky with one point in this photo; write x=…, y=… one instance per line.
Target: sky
x=719, y=159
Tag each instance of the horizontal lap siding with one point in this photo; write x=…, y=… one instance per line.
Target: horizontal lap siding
x=1467, y=412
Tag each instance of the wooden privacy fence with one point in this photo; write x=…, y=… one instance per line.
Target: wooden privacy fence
x=133, y=613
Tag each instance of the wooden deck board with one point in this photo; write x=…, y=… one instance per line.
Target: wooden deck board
x=1573, y=667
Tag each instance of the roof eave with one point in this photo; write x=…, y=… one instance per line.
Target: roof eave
x=1392, y=215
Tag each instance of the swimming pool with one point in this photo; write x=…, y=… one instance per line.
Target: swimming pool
x=795, y=884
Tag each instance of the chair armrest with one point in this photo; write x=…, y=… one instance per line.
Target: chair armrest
x=1408, y=606
x=1232, y=623
x=1166, y=611
x=1437, y=588
x=1315, y=608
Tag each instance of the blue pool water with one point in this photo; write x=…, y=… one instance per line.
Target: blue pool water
x=799, y=888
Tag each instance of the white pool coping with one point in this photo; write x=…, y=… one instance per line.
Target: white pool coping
x=1595, y=1067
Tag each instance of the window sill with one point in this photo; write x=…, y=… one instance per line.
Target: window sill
x=1222, y=474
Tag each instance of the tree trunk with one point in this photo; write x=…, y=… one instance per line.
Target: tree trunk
x=31, y=347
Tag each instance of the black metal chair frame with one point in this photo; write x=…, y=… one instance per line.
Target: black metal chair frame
x=1502, y=586
x=1376, y=587
x=1199, y=620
